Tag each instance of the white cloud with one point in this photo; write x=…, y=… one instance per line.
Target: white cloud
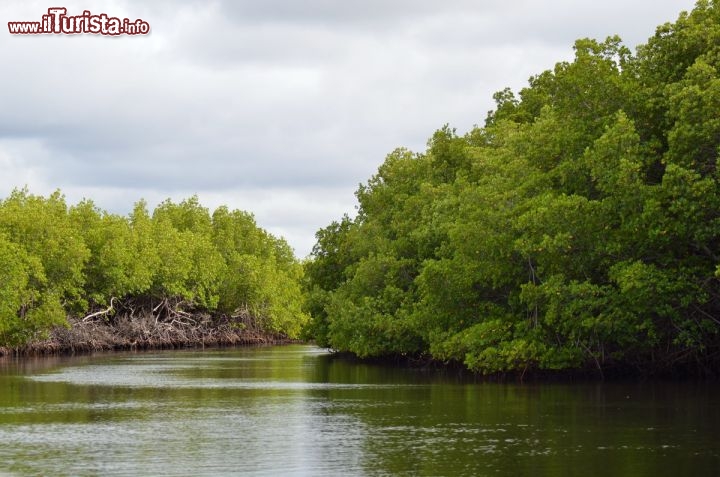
x=277, y=107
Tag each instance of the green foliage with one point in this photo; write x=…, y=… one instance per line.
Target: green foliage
x=261, y=275
x=580, y=227
x=27, y=307
x=58, y=262
x=120, y=263
x=44, y=229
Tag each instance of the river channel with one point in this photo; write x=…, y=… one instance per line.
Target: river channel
x=297, y=410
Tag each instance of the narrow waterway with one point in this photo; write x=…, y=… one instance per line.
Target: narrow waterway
x=295, y=410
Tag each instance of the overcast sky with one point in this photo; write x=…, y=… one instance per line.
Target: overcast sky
x=278, y=107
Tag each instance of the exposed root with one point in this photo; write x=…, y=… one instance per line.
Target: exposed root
x=146, y=331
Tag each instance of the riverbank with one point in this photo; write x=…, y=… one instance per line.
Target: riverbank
x=145, y=332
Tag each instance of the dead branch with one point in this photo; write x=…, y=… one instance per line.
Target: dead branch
x=101, y=312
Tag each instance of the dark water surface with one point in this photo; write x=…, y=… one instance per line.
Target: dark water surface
x=294, y=410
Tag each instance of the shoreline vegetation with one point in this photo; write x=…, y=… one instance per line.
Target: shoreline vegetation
x=76, y=278
x=577, y=229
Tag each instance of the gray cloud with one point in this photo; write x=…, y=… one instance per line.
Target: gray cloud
x=279, y=107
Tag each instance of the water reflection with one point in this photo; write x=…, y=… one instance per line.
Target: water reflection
x=297, y=411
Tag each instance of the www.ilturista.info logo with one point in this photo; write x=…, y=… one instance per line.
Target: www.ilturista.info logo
x=59, y=23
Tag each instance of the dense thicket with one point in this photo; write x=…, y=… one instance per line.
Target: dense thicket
x=579, y=227
x=58, y=261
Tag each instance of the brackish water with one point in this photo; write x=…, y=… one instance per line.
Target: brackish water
x=295, y=410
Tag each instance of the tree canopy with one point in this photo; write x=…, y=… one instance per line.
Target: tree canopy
x=59, y=261
x=579, y=227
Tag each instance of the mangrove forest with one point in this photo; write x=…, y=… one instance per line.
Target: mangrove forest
x=578, y=228
x=79, y=278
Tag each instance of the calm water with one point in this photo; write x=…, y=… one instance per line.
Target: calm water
x=294, y=410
